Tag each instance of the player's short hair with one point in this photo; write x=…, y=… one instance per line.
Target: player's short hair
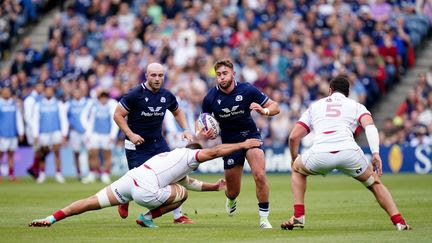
x=340, y=84
x=194, y=145
x=224, y=62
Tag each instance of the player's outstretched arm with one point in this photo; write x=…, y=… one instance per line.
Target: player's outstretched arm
x=226, y=149
x=372, y=136
x=197, y=185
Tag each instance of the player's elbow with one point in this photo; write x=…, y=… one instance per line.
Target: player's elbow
x=294, y=137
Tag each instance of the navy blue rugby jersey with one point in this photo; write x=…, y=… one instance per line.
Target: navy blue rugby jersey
x=232, y=110
x=147, y=110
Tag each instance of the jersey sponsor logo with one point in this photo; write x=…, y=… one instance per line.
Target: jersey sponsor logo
x=120, y=196
x=162, y=100
x=359, y=170
x=238, y=98
x=153, y=111
x=231, y=112
x=244, y=133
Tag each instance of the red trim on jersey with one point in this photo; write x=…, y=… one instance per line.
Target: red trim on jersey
x=146, y=166
x=304, y=125
x=329, y=132
x=136, y=184
x=334, y=152
x=360, y=117
x=196, y=156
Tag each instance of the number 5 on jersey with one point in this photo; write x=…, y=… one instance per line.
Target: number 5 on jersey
x=333, y=110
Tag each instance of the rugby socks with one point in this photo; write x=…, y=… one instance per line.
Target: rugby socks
x=57, y=216
x=299, y=210
x=263, y=209
x=11, y=171
x=78, y=170
x=177, y=213
x=397, y=219
x=35, y=165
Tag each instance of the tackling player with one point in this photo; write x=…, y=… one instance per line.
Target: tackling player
x=145, y=107
x=334, y=120
x=231, y=104
x=159, y=184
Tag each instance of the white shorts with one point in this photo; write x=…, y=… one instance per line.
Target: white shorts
x=49, y=139
x=144, y=191
x=8, y=144
x=76, y=140
x=100, y=141
x=351, y=162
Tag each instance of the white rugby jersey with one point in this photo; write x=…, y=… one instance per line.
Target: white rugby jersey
x=334, y=120
x=169, y=167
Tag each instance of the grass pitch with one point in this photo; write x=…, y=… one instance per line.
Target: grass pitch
x=338, y=209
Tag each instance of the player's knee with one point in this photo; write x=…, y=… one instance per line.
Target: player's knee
x=180, y=194
x=260, y=177
x=371, y=181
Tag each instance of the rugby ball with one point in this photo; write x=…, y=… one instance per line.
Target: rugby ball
x=207, y=121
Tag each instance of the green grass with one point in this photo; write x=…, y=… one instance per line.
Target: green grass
x=338, y=209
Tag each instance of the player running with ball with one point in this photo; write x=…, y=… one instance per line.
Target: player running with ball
x=334, y=120
x=159, y=184
x=231, y=104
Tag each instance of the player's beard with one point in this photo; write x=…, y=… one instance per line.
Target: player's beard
x=225, y=84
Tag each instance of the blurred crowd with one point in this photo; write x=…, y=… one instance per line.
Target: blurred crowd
x=288, y=49
x=412, y=124
x=15, y=15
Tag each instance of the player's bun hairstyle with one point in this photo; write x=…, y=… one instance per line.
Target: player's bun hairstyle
x=340, y=84
x=194, y=145
x=226, y=63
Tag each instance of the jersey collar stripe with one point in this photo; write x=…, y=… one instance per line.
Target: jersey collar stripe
x=124, y=106
x=143, y=86
x=360, y=117
x=265, y=101
x=304, y=125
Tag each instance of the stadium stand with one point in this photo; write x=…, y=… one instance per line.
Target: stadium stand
x=289, y=49
x=16, y=16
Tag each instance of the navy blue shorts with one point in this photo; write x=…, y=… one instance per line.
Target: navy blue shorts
x=237, y=158
x=145, y=151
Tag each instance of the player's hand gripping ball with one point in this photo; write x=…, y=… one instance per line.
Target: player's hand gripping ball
x=208, y=122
